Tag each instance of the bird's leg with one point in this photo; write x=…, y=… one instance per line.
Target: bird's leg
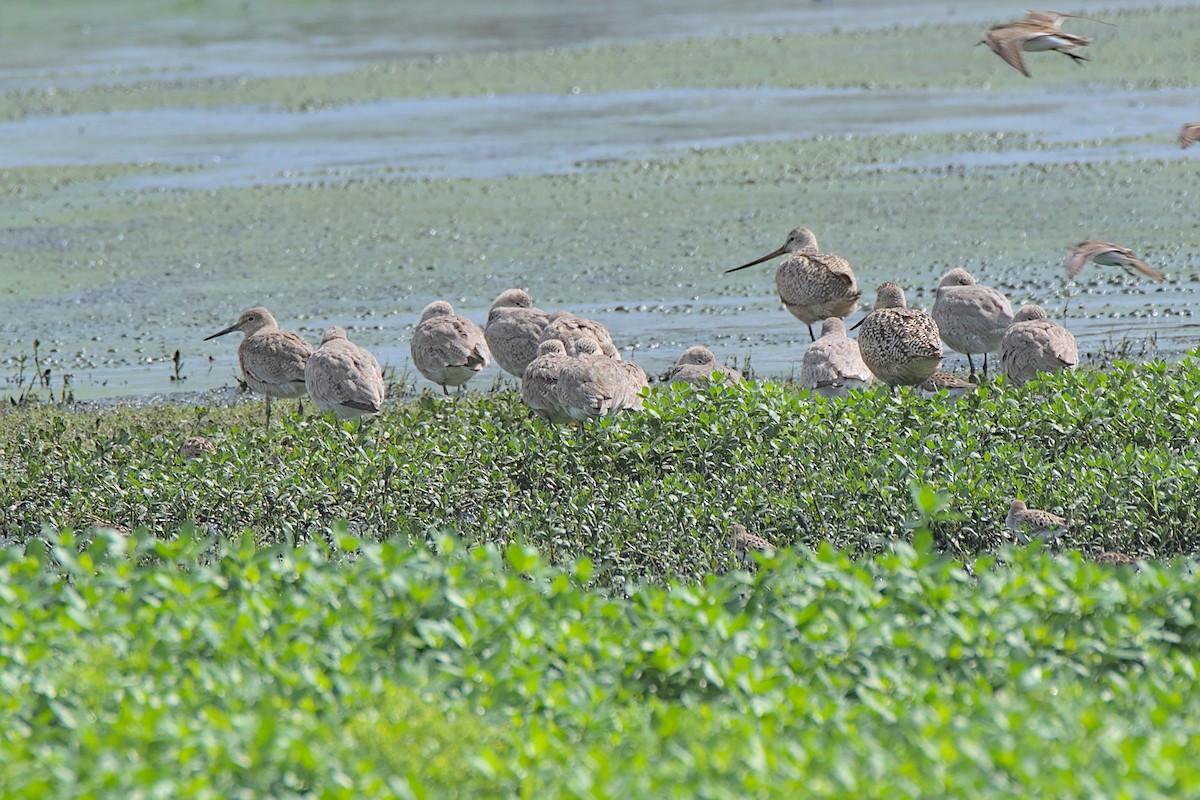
x=985, y=365
x=1078, y=58
x=810, y=333
x=445, y=391
x=300, y=407
x=972, y=363
x=268, y=412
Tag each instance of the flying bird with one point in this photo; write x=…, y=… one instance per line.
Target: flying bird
x=1108, y=255
x=1038, y=31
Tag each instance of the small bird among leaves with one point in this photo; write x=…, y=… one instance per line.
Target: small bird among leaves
x=1108, y=255
x=744, y=541
x=197, y=447
x=1027, y=523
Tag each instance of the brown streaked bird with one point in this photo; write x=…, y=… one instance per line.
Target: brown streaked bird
x=539, y=384
x=1038, y=31
x=947, y=382
x=1118, y=559
x=698, y=365
x=1108, y=255
x=196, y=447
x=832, y=365
x=1030, y=522
x=1189, y=134
x=744, y=541
x=971, y=318
x=446, y=348
x=592, y=385
x=570, y=329
x=344, y=377
x=900, y=345
x=1034, y=344
x=514, y=328
x=272, y=360
x=812, y=285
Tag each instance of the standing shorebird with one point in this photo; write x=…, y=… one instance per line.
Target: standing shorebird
x=197, y=447
x=971, y=318
x=1189, y=133
x=571, y=329
x=743, y=541
x=1033, y=344
x=1038, y=31
x=446, y=348
x=812, y=285
x=900, y=345
x=1027, y=523
x=592, y=385
x=698, y=365
x=539, y=384
x=947, y=382
x=832, y=365
x=514, y=328
x=1108, y=255
x=272, y=360
x=344, y=378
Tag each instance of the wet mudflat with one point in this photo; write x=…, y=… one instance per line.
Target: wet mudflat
x=138, y=220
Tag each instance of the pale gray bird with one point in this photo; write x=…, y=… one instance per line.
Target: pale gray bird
x=592, y=384
x=900, y=345
x=513, y=330
x=697, y=365
x=1027, y=523
x=1033, y=344
x=812, y=285
x=272, y=361
x=344, y=378
x=971, y=318
x=448, y=349
x=539, y=384
x=569, y=329
x=832, y=365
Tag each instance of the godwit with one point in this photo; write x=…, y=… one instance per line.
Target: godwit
x=1188, y=134
x=592, y=385
x=344, y=378
x=947, y=382
x=570, y=329
x=636, y=379
x=698, y=365
x=812, y=285
x=744, y=541
x=1108, y=255
x=446, y=348
x=1034, y=344
x=1039, y=30
x=832, y=365
x=900, y=345
x=539, y=384
x=1029, y=522
x=971, y=318
x=272, y=360
x=197, y=447
x=1119, y=559
x=514, y=328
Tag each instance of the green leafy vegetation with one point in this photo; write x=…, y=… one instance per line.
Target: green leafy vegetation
x=134, y=666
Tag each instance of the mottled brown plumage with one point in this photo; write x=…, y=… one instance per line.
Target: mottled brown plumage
x=1038, y=31
x=900, y=345
x=947, y=382
x=697, y=365
x=1030, y=522
x=446, y=348
x=571, y=329
x=197, y=447
x=539, y=384
x=592, y=385
x=1033, y=344
x=344, y=378
x=832, y=365
x=1109, y=255
x=744, y=542
x=971, y=318
x=812, y=285
x=1189, y=133
x=513, y=330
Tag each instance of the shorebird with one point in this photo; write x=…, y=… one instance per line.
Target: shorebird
x=1033, y=344
x=196, y=447
x=539, y=384
x=971, y=318
x=570, y=329
x=832, y=365
x=272, y=360
x=344, y=378
x=592, y=385
x=900, y=345
x=744, y=541
x=812, y=285
x=1029, y=522
x=1108, y=255
x=947, y=382
x=636, y=379
x=514, y=328
x=446, y=348
x=698, y=365
x=1039, y=30
x=1188, y=134
x=1119, y=559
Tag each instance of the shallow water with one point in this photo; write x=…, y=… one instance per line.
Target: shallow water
x=130, y=265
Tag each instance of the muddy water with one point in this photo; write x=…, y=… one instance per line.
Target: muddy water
x=554, y=192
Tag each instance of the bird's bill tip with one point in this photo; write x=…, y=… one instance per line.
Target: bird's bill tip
x=767, y=257
x=856, y=325
x=230, y=329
